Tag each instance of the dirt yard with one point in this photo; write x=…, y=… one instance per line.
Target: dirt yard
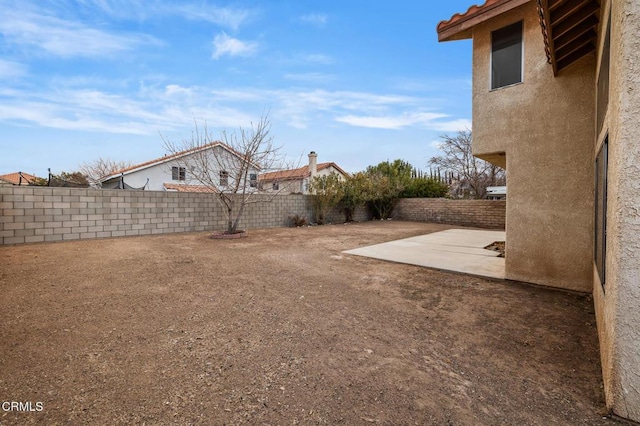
x=282, y=328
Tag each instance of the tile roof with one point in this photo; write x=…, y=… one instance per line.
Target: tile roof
x=14, y=178
x=457, y=26
x=299, y=173
x=171, y=156
x=186, y=188
x=569, y=28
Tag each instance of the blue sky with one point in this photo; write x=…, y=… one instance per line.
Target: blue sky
x=357, y=81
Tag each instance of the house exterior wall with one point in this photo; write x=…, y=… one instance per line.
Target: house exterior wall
x=542, y=130
x=159, y=174
x=295, y=186
x=324, y=172
x=617, y=303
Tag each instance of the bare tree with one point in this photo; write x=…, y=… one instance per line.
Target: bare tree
x=101, y=167
x=229, y=167
x=471, y=175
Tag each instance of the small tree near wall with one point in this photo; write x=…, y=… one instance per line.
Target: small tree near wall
x=229, y=168
x=353, y=194
x=102, y=167
x=326, y=192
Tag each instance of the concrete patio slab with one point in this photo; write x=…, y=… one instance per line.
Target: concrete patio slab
x=457, y=250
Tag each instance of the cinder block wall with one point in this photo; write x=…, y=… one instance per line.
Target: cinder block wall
x=40, y=214
x=477, y=213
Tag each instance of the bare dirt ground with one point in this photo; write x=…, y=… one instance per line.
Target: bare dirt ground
x=282, y=328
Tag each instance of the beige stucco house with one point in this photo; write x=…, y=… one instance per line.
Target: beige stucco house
x=556, y=100
x=296, y=181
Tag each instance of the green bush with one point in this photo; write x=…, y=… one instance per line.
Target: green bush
x=326, y=192
x=424, y=187
x=380, y=187
x=353, y=194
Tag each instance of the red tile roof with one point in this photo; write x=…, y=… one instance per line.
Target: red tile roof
x=171, y=156
x=186, y=188
x=455, y=27
x=14, y=178
x=299, y=173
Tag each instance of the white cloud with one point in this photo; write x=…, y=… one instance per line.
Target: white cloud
x=239, y=95
x=164, y=108
x=452, y=126
x=223, y=44
x=435, y=144
x=396, y=122
x=172, y=90
x=159, y=105
x=318, y=58
x=316, y=19
x=223, y=16
x=10, y=69
x=65, y=38
x=47, y=115
x=228, y=17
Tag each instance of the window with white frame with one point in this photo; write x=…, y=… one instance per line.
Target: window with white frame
x=253, y=180
x=178, y=173
x=224, y=178
x=506, y=56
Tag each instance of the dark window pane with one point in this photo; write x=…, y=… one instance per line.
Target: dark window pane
x=174, y=173
x=601, y=210
x=224, y=178
x=506, y=56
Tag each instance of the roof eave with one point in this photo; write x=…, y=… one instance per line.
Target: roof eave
x=454, y=34
x=176, y=156
x=460, y=26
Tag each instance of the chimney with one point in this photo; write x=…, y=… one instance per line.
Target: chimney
x=313, y=164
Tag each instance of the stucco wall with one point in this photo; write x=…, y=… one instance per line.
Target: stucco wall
x=544, y=128
x=618, y=304
x=476, y=213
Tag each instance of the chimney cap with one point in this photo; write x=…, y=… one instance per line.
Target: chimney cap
x=313, y=153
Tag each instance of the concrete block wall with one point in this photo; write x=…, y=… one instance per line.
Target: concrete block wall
x=41, y=214
x=488, y=214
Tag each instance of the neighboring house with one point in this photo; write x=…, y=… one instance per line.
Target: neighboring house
x=178, y=172
x=297, y=180
x=556, y=101
x=18, y=179
x=496, y=193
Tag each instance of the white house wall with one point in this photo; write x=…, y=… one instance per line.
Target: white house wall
x=161, y=173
